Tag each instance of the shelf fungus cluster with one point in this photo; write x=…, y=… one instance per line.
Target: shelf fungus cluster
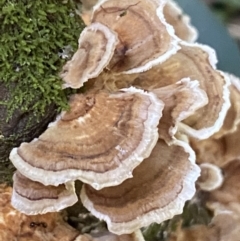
x=148, y=89
x=219, y=160
x=15, y=225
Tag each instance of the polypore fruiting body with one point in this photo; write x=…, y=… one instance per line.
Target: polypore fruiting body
x=180, y=21
x=17, y=226
x=96, y=48
x=99, y=141
x=140, y=26
x=199, y=63
x=33, y=197
x=181, y=101
x=223, y=146
x=232, y=119
x=158, y=190
x=211, y=177
x=227, y=197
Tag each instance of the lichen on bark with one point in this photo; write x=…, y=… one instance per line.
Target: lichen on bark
x=36, y=39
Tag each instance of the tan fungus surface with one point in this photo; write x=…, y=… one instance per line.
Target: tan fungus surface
x=196, y=62
x=232, y=119
x=140, y=25
x=158, y=190
x=180, y=21
x=17, y=226
x=33, y=197
x=181, y=101
x=103, y=134
x=223, y=146
x=227, y=197
x=211, y=177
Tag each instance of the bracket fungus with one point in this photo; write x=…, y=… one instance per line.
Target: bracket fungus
x=150, y=196
x=95, y=50
x=197, y=62
x=181, y=101
x=99, y=141
x=127, y=137
x=223, y=146
x=180, y=22
x=140, y=26
x=211, y=177
x=227, y=197
x=18, y=226
x=33, y=197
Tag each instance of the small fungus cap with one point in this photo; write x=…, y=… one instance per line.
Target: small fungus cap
x=160, y=186
x=180, y=21
x=232, y=119
x=211, y=177
x=181, y=101
x=32, y=198
x=15, y=225
x=99, y=141
x=140, y=26
x=95, y=50
x=197, y=62
x=227, y=197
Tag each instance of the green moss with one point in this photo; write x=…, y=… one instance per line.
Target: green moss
x=34, y=37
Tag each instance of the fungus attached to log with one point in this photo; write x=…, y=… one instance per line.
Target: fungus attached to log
x=18, y=226
x=32, y=198
x=160, y=186
x=99, y=141
x=95, y=50
x=140, y=26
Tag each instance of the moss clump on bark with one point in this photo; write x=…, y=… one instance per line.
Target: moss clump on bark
x=36, y=39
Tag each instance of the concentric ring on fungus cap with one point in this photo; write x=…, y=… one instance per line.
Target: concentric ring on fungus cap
x=33, y=198
x=180, y=21
x=160, y=186
x=197, y=62
x=99, y=141
x=145, y=37
x=95, y=50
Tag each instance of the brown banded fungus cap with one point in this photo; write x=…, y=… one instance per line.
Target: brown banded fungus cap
x=181, y=101
x=227, y=197
x=99, y=141
x=223, y=146
x=199, y=63
x=18, y=226
x=33, y=197
x=180, y=22
x=211, y=177
x=232, y=119
x=140, y=26
x=160, y=186
x=96, y=48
